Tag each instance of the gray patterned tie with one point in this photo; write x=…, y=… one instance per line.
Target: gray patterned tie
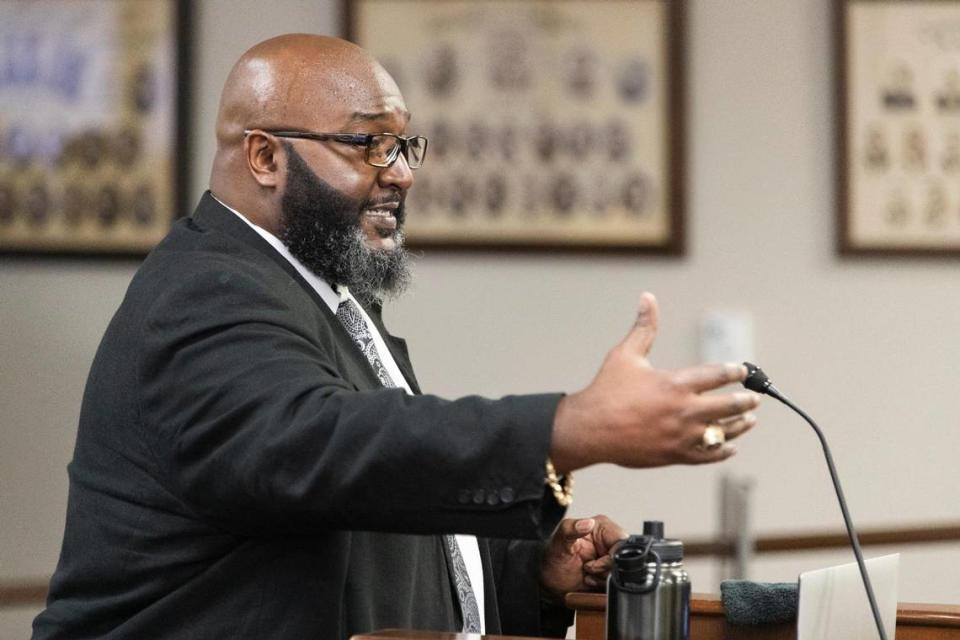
x=468, y=601
x=349, y=316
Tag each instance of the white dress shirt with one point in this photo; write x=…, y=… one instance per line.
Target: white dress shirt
x=468, y=544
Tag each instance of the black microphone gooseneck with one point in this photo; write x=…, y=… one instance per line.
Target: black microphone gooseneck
x=758, y=381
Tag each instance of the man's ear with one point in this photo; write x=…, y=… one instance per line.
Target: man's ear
x=263, y=156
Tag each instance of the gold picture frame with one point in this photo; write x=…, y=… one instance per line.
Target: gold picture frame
x=898, y=86
x=553, y=124
x=92, y=125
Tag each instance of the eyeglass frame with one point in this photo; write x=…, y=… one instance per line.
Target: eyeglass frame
x=356, y=139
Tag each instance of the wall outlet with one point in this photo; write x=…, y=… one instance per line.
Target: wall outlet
x=726, y=336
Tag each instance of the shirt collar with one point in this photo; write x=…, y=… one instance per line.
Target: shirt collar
x=330, y=296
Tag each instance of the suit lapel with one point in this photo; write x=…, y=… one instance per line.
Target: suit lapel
x=210, y=213
x=397, y=347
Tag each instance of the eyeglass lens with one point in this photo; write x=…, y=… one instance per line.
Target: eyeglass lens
x=383, y=150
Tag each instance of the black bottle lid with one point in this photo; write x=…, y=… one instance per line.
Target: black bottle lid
x=653, y=528
x=668, y=550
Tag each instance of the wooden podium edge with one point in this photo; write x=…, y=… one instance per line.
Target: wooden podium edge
x=704, y=604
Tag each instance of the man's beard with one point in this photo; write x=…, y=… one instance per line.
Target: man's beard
x=321, y=227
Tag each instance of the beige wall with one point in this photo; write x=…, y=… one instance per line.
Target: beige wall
x=870, y=347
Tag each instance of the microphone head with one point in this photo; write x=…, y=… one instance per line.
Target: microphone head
x=756, y=380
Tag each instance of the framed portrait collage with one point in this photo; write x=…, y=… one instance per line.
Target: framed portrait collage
x=92, y=114
x=552, y=124
x=898, y=119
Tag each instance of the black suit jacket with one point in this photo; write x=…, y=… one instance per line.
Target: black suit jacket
x=240, y=473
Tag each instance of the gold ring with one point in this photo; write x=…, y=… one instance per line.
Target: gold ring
x=713, y=437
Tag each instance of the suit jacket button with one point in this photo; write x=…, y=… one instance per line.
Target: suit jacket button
x=464, y=496
x=479, y=496
x=493, y=498
x=506, y=495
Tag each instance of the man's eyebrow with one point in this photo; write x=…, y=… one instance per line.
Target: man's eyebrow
x=367, y=116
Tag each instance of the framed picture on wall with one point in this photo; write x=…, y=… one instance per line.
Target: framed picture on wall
x=552, y=124
x=899, y=127
x=91, y=119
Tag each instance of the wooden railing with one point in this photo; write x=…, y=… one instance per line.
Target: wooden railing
x=818, y=541
x=23, y=593
x=34, y=592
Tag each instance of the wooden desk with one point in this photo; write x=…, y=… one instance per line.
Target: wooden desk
x=707, y=622
x=407, y=634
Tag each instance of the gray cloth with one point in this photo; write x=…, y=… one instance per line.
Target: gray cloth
x=756, y=603
x=469, y=609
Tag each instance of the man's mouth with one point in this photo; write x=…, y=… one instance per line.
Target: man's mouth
x=383, y=218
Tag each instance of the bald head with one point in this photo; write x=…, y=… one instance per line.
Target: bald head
x=293, y=82
x=284, y=81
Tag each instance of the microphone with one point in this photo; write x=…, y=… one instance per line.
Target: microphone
x=758, y=381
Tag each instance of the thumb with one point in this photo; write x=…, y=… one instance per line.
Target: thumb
x=570, y=529
x=641, y=336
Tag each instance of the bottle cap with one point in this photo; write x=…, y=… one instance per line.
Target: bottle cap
x=668, y=550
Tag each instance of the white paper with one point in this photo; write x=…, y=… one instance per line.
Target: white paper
x=834, y=604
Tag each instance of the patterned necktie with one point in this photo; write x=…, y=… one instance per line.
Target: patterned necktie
x=461, y=579
x=349, y=316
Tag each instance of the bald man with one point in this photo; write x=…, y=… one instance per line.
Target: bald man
x=254, y=456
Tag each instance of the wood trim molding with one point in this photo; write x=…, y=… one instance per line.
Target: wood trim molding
x=829, y=540
x=23, y=593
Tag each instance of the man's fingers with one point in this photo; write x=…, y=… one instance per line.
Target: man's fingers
x=700, y=455
x=641, y=336
x=738, y=425
x=594, y=583
x=599, y=567
x=710, y=376
x=711, y=408
x=696, y=453
x=571, y=529
x=607, y=534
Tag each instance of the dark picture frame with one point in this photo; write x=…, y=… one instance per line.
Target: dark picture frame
x=553, y=124
x=94, y=126
x=898, y=119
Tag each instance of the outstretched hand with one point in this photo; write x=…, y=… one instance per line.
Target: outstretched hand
x=577, y=557
x=636, y=416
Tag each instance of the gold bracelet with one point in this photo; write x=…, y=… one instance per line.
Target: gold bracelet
x=562, y=493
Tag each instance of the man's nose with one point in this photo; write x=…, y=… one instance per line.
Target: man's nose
x=398, y=175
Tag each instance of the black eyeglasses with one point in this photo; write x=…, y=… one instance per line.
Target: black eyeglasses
x=382, y=149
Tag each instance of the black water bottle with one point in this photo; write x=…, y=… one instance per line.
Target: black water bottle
x=648, y=591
